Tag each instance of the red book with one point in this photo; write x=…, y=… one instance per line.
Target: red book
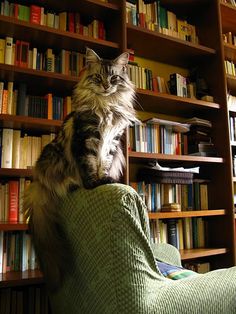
x=35, y=14
x=17, y=52
x=71, y=22
x=16, y=10
x=24, y=54
x=13, y=201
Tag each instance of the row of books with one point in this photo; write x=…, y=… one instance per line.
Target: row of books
x=232, y=2
x=156, y=17
x=15, y=101
x=185, y=233
x=234, y=167
x=157, y=138
x=230, y=67
x=232, y=128
x=11, y=200
x=17, y=252
x=231, y=102
x=143, y=78
x=20, y=151
x=65, y=21
x=19, y=53
x=159, y=197
x=229, y=38
x=177, y=85
x=199, y=267
x=25, y=299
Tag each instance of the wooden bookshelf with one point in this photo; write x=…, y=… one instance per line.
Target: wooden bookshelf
x=202, y=252
x=29, y=123
x=180, y=52
x=174, y=158
x=184, y=214
x=167, y=104
x=160, y=48
x=228, y=16
x=42, y=82
x=207, y=55
x=15, y=278
x=5, y=226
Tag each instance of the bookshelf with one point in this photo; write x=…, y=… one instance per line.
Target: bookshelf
x=228, y=15
x=160, y=48
x=41, y=82
x=208, y=56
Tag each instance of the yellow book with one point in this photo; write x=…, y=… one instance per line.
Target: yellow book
x=16, y=149
x=2, y=50
x=62, y=21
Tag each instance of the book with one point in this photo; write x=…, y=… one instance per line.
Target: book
x=8, y=50
x=24, y=54
x=35, y=14
x=21, y=109
x=13, y=201
x=2, y=50
x=172, y=232
x=16, y=149
x=7, y=145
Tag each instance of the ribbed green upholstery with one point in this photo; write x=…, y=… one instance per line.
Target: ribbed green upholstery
x=113, y=268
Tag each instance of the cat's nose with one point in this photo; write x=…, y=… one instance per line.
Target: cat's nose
x=105, y=85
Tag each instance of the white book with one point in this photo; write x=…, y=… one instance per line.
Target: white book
x=8, y=50
x=7, y=145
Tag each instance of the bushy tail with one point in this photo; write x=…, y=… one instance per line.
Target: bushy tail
x=40, y=208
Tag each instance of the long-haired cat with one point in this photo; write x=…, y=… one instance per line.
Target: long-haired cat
x=86, y=152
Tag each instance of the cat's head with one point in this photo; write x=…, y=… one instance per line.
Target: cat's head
x=106, y=77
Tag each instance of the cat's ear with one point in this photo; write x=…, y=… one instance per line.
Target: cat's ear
x=123, y=59
x=91, y=56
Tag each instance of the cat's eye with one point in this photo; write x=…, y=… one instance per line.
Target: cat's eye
x=115, y=79
x=97, y=78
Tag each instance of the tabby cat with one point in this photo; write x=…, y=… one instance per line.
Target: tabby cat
x=86, y=152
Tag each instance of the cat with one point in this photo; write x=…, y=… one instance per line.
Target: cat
x=86, y=152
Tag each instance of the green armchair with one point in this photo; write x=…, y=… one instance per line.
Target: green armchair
x=113, y=267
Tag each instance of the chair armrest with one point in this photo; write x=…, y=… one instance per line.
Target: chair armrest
x=166, y=253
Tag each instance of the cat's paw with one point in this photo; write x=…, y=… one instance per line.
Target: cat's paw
x=94, y=184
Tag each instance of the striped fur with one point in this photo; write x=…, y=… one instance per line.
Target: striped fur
x=86, y=152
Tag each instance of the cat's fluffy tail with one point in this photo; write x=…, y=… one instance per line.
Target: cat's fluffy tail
x=40, y=210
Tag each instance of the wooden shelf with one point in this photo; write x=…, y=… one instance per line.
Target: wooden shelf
x=28, y=123
x=6, y=226
x=95, y=8
x=48, y=37
x=228, y=16
x=231, y=82
x=15, y=173
x=12, y=279
x=183, y=214
x=165, y=48
x=230, y=52
x=202, y=252
x=175, y=158
x=169, y=104
x=39, y=82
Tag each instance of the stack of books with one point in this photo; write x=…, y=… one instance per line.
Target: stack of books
x=199, y=138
